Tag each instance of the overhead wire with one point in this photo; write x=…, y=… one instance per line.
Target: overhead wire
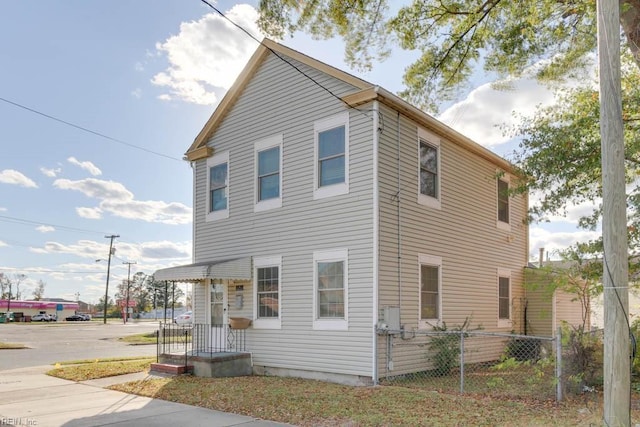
x=22, y=221
x=84, y=129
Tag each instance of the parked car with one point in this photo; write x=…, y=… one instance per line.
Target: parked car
x=185, y=318
x=74, y=318
x=85, y=315
x=53, y=317
x=40, y=317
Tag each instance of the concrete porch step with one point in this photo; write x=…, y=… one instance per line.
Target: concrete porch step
x=171, y=368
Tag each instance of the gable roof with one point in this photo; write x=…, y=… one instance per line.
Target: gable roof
x=366, y=92
x=199, y=149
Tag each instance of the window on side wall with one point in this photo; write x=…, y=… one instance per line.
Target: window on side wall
x=428, y=169
x=330, y=290
x=430, y=290
x=266, y=284
x=331, y=175
x=218, y=187
x=268, y=161
x=503, y=203
x=504, y=298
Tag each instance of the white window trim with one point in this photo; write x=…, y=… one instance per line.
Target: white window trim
x=331, y=324
x=211, y=162
x=501, y=176
x=265, y=144
x=341, y=119
x=432, y=261
x=262, y=262
x=504, y=323
x=423, y=199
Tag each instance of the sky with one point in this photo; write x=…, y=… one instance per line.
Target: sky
x=99, y=102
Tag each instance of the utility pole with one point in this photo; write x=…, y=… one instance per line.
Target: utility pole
x=617, y=381
x=126, y=309
x=9, y=300
x=106, y=292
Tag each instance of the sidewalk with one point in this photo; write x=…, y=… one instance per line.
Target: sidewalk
x=28, y=397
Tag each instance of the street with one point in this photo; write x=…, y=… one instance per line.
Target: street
x=60, y=341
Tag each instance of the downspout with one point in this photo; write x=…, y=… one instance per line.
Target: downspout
x=376, y=241
x=399, y=223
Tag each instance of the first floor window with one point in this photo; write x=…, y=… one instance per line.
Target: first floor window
x=331, y=290
x=268, y=289
x=429, y=290
x=504, y=288
x=430, y=311
x=331, y=274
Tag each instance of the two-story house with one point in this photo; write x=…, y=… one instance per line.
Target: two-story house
x=327, y=208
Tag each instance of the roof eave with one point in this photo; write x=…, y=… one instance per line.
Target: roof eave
x=398, y=104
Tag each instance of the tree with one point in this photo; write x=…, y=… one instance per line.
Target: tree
x=38, y=292
x=4, y=286
x=453, y=38
x=18, y=278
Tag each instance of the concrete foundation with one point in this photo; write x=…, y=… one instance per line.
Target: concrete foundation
x=216, y=365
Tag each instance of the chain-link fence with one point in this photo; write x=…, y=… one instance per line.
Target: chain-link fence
x=495, y=364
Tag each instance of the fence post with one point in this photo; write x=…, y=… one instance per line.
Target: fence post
x=559, y=364
x=461, y=361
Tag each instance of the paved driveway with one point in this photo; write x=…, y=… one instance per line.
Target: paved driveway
x=54, y=342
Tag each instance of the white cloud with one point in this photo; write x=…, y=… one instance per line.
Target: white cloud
x=3, y=244
x=11, y=176
x=45, y=229
x=3, y=209
x=51, y=173
x=553, y=241
x=86, y=165
x=485, y=109
x=137, y=93
x=138, y=66
x=207, y=54
x=119, y=201
x=89, y=213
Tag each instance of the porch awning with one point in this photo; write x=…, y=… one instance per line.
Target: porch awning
x=239, y=268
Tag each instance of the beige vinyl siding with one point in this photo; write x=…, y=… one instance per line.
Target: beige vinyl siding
x=540, y=313
x=200, y=303
x=569, y=309
x=280, y=100
x=463, y=233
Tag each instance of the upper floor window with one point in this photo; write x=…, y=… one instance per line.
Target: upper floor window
x=429, y=169
x=267, y=292
x=332, y=156
x=430, y=289
x=330, y=284
x=268, y=159
x=503, y=202
x=218, y=187
x=504, y=298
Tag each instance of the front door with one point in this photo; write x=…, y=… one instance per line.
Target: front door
x=218, y=310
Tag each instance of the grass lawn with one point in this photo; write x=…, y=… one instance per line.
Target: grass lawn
x=140, y=339
x=316, y=403
x=11, y=346
x=82, y=370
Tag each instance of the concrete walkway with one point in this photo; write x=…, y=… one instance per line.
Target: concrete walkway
x=28, y=397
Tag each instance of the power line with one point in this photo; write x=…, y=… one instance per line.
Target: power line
x=4, y=218
x=280, y=57
x=84, y=129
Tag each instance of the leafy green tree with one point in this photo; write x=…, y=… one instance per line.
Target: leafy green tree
x=452, y=38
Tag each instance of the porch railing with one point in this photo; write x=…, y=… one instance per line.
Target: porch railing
x=200, y=339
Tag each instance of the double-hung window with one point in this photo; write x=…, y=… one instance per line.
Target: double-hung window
x=331, y=175
x=267, y=288
x=268, y=160
x=430, y=290
x=330, y=290
x=504, y=298
x=503, y=202
x=428, y=169
x=218, y=187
